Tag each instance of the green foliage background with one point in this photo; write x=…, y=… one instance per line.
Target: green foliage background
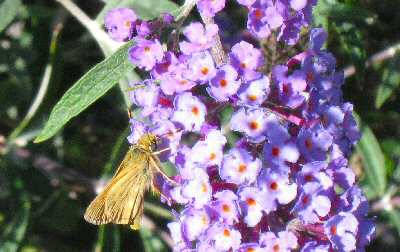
x=52, y=65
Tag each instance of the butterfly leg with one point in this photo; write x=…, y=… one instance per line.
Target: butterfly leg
x=161, y=151
x=157, y=167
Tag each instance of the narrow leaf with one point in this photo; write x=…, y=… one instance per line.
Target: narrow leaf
x=373, y=160
x=14, y=233
x=151, y=241
x=394, y=216
x=147, y=9
x=390, y=82
x=108, y=239
x=8, y=11
x=93, y=85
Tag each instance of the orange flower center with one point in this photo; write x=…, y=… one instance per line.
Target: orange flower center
x=251, y=202
x=146, y=49
x=213, y=156
x=305, y=200
x=258, y=14
x=308, y=177
x=204, y=188
x=253, y=125
x=308, y=144
x=252, y=97
x=226, y=208
x=204, y=70
x=333, y=230
x=223, y=83
x=127, y=24
x=275, y=151
x=276, y=247
x=273, y=186
x=195, y=110
x=242, y=168
x=227, y=233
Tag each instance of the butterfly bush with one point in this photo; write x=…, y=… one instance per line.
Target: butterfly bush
x=283, y=183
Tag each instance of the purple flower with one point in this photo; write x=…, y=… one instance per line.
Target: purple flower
x=194, y=222
x=246, y=59
x=251, y=205
x=276, y=188
x=145, y=95
x=226, y=206
x=224, y=84
x=250, y=122
x=138, y=128
x=257, y=22
x=146, y=53
x=209, y=152
x=314, y=173
x=224, y=237
x=198, y=190
x=312, y=203
x=239, y=167
x=200, y=38
x=298, y=4
x=279, y=147
x=291, y=87
x=314, y=247
x=119, y=23
x=314, y=143
x=175, y=80
x=285, y=185
x=250, y=247
x=255, y=92
x=247, y=3
x=284, y=241
x=342, y=231
x=189, y=111
x=209, y=8
x=201, y=68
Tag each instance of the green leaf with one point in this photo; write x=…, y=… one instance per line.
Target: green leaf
x=333, y=11
x=390, y=82
x=151, y=241
x=373, y=160
x=145, y=9
x=14, y=232
x=93, y=85
x=8, y=11
x=108, y=239
x=394, y=217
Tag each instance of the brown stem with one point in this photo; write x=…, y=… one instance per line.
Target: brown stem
x=217, y=51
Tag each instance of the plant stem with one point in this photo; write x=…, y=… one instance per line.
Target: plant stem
x=106, y=44
x=43, y=87
x=378, y=57
x=217, y=50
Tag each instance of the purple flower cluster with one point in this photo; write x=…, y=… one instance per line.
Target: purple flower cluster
x=286, y=17
x=285, y=184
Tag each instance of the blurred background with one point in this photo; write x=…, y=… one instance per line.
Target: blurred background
x=45, y=187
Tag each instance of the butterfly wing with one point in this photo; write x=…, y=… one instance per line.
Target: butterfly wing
x=125, y=205
x=122, y=198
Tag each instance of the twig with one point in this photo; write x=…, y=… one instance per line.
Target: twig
x=106, y=44
x=148, y=223
x=44, y=84
x=217, y=50
x=388, y=53
x=186, y=9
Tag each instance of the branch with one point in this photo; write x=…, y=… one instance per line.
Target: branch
x=388, y=53
x=217, y=50
x=106, y=44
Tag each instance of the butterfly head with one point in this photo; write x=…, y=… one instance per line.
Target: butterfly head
x=147, y=142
